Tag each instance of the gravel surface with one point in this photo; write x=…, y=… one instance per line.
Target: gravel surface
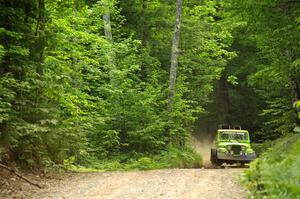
x=156, y=184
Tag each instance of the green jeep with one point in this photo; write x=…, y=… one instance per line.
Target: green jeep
x=296, y=106
x=232, y=146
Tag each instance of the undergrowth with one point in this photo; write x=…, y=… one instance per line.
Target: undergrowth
x=171, y=158
x=276, y=174
x=260, y=148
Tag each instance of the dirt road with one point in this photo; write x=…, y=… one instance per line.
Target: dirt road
x=156, y=184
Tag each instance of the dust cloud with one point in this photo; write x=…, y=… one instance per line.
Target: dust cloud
x=203, y=146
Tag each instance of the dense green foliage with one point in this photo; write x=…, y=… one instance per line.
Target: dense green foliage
x=267, y=84
x=276, y=174
x=171, y=158
x=69, y=95
x=258, y=87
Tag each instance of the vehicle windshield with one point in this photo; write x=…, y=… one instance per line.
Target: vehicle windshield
x=233, y=136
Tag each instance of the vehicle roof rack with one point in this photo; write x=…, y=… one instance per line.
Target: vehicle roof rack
x=224, y=126
x=227, y=126
x=237, y=127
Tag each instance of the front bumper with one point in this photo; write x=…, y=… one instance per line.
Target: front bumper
x=238, y=158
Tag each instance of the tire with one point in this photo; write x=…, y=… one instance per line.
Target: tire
x=214, y=158
x=243, y=164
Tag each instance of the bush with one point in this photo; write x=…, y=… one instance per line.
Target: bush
x=276, y=173
x=181, y=158
x=171, y=158
x=260, y=148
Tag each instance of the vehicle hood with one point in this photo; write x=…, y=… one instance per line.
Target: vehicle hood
x=224, y=144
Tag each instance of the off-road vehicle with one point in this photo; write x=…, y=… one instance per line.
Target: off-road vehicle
x=232, y=146
x=296, y=106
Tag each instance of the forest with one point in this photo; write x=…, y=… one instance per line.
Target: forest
x=123, y=84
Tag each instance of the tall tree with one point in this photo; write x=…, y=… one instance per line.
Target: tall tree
x=107, y=4
x=175, y=52
x=40, y=34
x=269, y=36
x=106, y=20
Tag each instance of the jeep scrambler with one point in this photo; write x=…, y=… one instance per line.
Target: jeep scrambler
x=232, y=146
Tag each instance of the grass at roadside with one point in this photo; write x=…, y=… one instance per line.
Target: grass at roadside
x=172, y=158
x=260, y=148
x=276, y=174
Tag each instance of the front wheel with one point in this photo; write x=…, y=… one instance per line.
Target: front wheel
x=214, y=158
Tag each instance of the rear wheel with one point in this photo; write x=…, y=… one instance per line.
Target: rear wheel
x=243, y=164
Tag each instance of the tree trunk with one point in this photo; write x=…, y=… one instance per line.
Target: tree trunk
x=39, y=47
x=144, y=35
x=40, y=41
x=175, y=52
x=224, y=101
x=144, y=25
x=20, y=176
x=106, y=21
x=108, y=35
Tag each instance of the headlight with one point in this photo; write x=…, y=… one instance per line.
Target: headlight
x=222, y=150
x=244, y=148
x=228, y=147
x=250, y=151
